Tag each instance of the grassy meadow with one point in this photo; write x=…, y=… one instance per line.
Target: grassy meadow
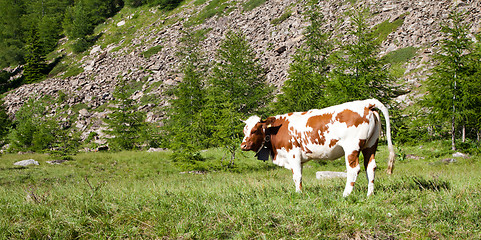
x=140, y=195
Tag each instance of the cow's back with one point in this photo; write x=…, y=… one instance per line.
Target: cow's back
x=322, y=133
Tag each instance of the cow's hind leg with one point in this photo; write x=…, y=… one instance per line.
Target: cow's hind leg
x=352, y=166
x=370, y=166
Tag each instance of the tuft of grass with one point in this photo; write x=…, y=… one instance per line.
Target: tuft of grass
x=214, y=8
x=251, y=4
x=402, y=55
x=72, y=71
x=151, y=51
x=282, y=18
x=383, y=29
x=398, y=58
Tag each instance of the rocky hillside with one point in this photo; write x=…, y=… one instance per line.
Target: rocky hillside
x=274, y=29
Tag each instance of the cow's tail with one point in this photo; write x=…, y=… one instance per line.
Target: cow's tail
x=380, y=106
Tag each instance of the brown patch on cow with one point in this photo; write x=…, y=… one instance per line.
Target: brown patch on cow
x=352, y=184
x=282, y=138
x=319, y=127
x=333, y=142
x=369, y=154
x=293, y=156
x=351, y=118
x=290, y=114
x=362, y=142
x=369, y=109
x=353, y=159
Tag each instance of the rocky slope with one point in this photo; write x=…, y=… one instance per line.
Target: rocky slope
x=274, y=44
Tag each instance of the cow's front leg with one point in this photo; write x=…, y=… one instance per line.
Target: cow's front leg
x=353, y=168
x=296, y=167
x=297, y=176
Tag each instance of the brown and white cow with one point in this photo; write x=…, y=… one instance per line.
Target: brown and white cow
x=343, y=130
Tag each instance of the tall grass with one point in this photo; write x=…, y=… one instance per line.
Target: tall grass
x=140, y=195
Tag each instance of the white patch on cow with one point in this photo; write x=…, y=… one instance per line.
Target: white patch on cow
x=250, y=123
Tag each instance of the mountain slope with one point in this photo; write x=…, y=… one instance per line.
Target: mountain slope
x=140, y=45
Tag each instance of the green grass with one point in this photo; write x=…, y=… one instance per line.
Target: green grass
x=401, y=55
x=398, y=58
x=251, y=4
x=214, y=8
x=282, y=18
x=139, y=195
x=151, y=51
x=383, y=29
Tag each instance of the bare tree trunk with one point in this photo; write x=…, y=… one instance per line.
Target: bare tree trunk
x=453, y=133
x=453, y=120
x=464, y=133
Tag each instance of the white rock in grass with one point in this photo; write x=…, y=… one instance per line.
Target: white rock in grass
x=459, y=154
x=329, y=174
x=121, y=23
x=26, y=162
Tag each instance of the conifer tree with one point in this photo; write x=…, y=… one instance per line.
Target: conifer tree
x=450, y=86
x=184, y=126
x=35, y=65
x=127, y=124
x=238, y=88
x=358, y=72
x=305, y=87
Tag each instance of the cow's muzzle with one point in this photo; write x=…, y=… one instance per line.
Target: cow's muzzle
x=245, y=147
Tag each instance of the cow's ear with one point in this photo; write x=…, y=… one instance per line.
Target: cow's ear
x=272, y=130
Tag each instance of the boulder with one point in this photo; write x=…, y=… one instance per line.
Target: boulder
x=25, y=163
x=329, y=174
x=459, y=154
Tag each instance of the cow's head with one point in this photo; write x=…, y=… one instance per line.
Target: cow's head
x=255, y=132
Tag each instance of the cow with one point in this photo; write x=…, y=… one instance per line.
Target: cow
x=348, y=129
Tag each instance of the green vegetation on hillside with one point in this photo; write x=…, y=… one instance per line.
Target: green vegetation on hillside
x=383, y=29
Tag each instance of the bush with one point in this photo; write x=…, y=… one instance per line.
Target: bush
x=32, y=130
x=5, y=123
x=80, y=45
x=165, y=4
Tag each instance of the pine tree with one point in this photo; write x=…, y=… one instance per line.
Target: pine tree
x=358, y=72
x=35, y=66
x=184, y=126
x=127, y=124
x=450, y=83
x=12, y=37
x=305, y=87
x=238, y=88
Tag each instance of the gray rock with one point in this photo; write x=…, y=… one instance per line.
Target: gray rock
x=26, y=162
x=56, y=162
x=459, y=154
x=448, y=160
x=329, y=174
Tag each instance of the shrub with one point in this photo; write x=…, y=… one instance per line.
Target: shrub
x=5, y=123
x=33, y=131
